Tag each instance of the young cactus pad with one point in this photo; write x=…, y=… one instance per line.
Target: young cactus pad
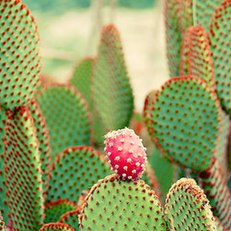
x=185, y=122
x=187, y=207
x=67, y=117
x=23, y=171
x=113, y=204
x=55, y=209
x=56, y=227
x=74, y=170
x=20, y=60
x=126, y=153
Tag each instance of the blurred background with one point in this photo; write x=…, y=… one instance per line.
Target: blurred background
x=69, y=31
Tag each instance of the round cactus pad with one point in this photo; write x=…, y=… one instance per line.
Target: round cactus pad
x=19, y=60
x=113, y=204
x=187, y=207
x=74, y=170
x=185, y=122
x=56, y=227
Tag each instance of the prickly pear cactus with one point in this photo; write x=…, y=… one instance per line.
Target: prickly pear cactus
x=23, y=171
x=20, y=60
x=220, y=38
x=187, y=207
x=56, y=227
x=74, y=170
x=67, y=117
x=111, y=90
x=71, y=218
x=55, y=209
x=122, y=205
x=186, y=121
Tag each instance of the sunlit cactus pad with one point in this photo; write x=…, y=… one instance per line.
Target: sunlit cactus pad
x=71, y=218
x=111, y=88
x=74, y=170
x=113, y=204
x=187, y=207
x=23, y=171
x=20, y=60
x=56, y=227
x=220, y=41
x=55, y=209
x=198, y=55
x=185, y=122
x=67, y=117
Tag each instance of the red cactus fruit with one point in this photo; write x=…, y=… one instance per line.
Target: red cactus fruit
x=126, y=153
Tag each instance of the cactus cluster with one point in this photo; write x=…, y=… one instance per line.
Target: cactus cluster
x=54, y=174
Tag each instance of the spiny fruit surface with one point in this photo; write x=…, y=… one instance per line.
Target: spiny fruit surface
x=126, y=153
x=67, y=117
x=215, y=186
x=185, y=122
x=74, y=170
x=187, y=207
x=55, y=209
x=220, y=42
x=56, y=227
x=71, y=218
x=198, y=56
x=113, y=204
x=111, y=89
x=19, y=59
x=23, y=171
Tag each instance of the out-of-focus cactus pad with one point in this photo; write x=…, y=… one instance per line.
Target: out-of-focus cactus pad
x=43, y=137
x=23, y=171
x=74, y=170
x=198, y=55
x=185, y=122
x=113, y=204
x=111, y=89
x=19, y=60
x=220, y=41
x=67, y=117
x=187, y=207
x=55, y=209
x=71, y=218
x=56, y=227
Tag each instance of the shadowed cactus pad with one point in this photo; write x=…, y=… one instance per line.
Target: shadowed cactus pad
x=122, y=205
x=55, y=209
x=56, y=227
x=67, y=117
x=112, y=93
x=23, y=171
x=185, y=122
x=74, y=170
x=187, y=207
x=20, y=60
x=220, y=41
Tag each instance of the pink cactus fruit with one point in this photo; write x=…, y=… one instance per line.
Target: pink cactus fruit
x=126, y=153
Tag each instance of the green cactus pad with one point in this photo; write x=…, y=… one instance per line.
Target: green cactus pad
x=187, y=207
x=2, y=223
x=43, y=139
x=55, y=209
x=74, y=170
x=185, y=122
x=56, y=227
x=197, y=56
x=220, y=38
x=214, y=184
x=204, y=11
x=20, y=60
x=23, y=171
x=71, y=218
x=3, y=198
x=111, y=89
x=113, y=204
x=67, y=117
